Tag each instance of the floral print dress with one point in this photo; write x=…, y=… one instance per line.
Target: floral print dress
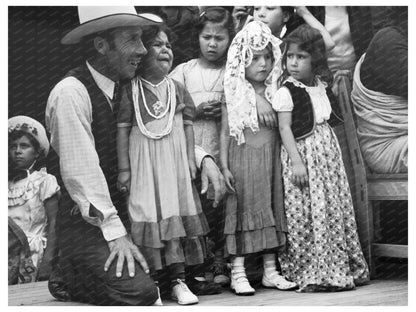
x=324, y=252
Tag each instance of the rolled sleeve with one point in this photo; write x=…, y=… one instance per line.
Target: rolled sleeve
x=112, y=228
x=200, y=154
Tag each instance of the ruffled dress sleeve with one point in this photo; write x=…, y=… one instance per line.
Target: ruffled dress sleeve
x=49, y=187
x=282, y=100
x=178, y=73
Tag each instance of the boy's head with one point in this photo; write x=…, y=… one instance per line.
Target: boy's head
x=273, y=16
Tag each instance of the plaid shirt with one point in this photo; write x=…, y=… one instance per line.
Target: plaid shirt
x=68, y=119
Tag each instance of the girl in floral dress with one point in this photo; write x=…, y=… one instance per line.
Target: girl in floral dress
x=324, y=252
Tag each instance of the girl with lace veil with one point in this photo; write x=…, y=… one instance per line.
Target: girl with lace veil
x=249, y=153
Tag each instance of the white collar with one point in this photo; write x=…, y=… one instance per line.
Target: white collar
x=103, y=82
x=319, y=83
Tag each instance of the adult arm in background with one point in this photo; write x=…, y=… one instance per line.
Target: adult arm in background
x=309, y=19
x=68, y=118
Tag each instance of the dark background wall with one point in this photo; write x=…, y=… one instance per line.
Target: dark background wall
x=37, y=60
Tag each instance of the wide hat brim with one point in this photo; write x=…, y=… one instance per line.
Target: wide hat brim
x=108, y=22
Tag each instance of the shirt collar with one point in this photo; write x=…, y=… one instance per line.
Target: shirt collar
x=104, y=83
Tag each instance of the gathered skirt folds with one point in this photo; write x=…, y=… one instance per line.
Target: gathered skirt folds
x=255, y=220
x=166, y=216
x=324, y=252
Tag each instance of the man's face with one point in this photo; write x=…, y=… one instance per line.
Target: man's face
x=125, y=52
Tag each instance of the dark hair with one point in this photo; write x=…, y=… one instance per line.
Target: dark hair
x=218, y=15
x=148, y=37
x=310, y=40
x=288, y=9
x=150, y=33
x=17, y=134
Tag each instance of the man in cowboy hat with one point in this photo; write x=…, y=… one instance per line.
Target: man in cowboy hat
x=80, y=116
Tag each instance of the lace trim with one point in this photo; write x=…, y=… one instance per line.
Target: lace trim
x=21, y=194
x=318, y=83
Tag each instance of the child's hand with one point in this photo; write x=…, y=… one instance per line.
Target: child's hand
x=123, y=181
x=229, y=180
x=209, y=110
x=300, y=175
x=241, y=16
x=192, y=169
x=267, y=116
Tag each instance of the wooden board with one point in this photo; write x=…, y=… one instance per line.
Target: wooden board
x=377, y=293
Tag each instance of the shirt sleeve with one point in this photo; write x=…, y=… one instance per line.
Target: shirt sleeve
x=200, y=154
x=68, y=118
x=49, y=187
x=282, y=100
x=178, y=73
x=125, y=113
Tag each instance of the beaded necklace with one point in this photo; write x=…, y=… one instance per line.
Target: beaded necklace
x=157, y=106
x=136, y=86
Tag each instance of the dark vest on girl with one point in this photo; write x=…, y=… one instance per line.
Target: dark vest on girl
x=303, y=117
x=104, y=130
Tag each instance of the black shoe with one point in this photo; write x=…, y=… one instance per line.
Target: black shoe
x=58, y=290
x=203, y=288
x=57, y=286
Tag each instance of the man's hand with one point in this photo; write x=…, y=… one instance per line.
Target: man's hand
x=124, y=249
x=211, y=173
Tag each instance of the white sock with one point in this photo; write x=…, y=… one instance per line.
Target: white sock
x=269, y=265
x=237, y=264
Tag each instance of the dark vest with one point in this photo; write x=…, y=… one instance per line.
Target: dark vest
x=303, y=119
x=104, y=130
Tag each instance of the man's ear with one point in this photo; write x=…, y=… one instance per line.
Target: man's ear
x=101, y=45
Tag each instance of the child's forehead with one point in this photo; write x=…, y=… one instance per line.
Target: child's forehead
x=265, y=51
x=295, y=47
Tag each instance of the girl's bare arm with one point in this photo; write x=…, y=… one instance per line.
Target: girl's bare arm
x=224, y=144
x=300, y=176
x=190, y=149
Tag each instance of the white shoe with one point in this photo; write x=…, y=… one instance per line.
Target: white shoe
x=239, y=283
x=158, y=302
x=182, y=294
x=275, y=280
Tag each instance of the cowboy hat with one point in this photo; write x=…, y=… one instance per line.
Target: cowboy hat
x=32, y=127
x=94, y=19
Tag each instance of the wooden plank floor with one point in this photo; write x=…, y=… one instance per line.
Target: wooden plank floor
x=377, y=293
